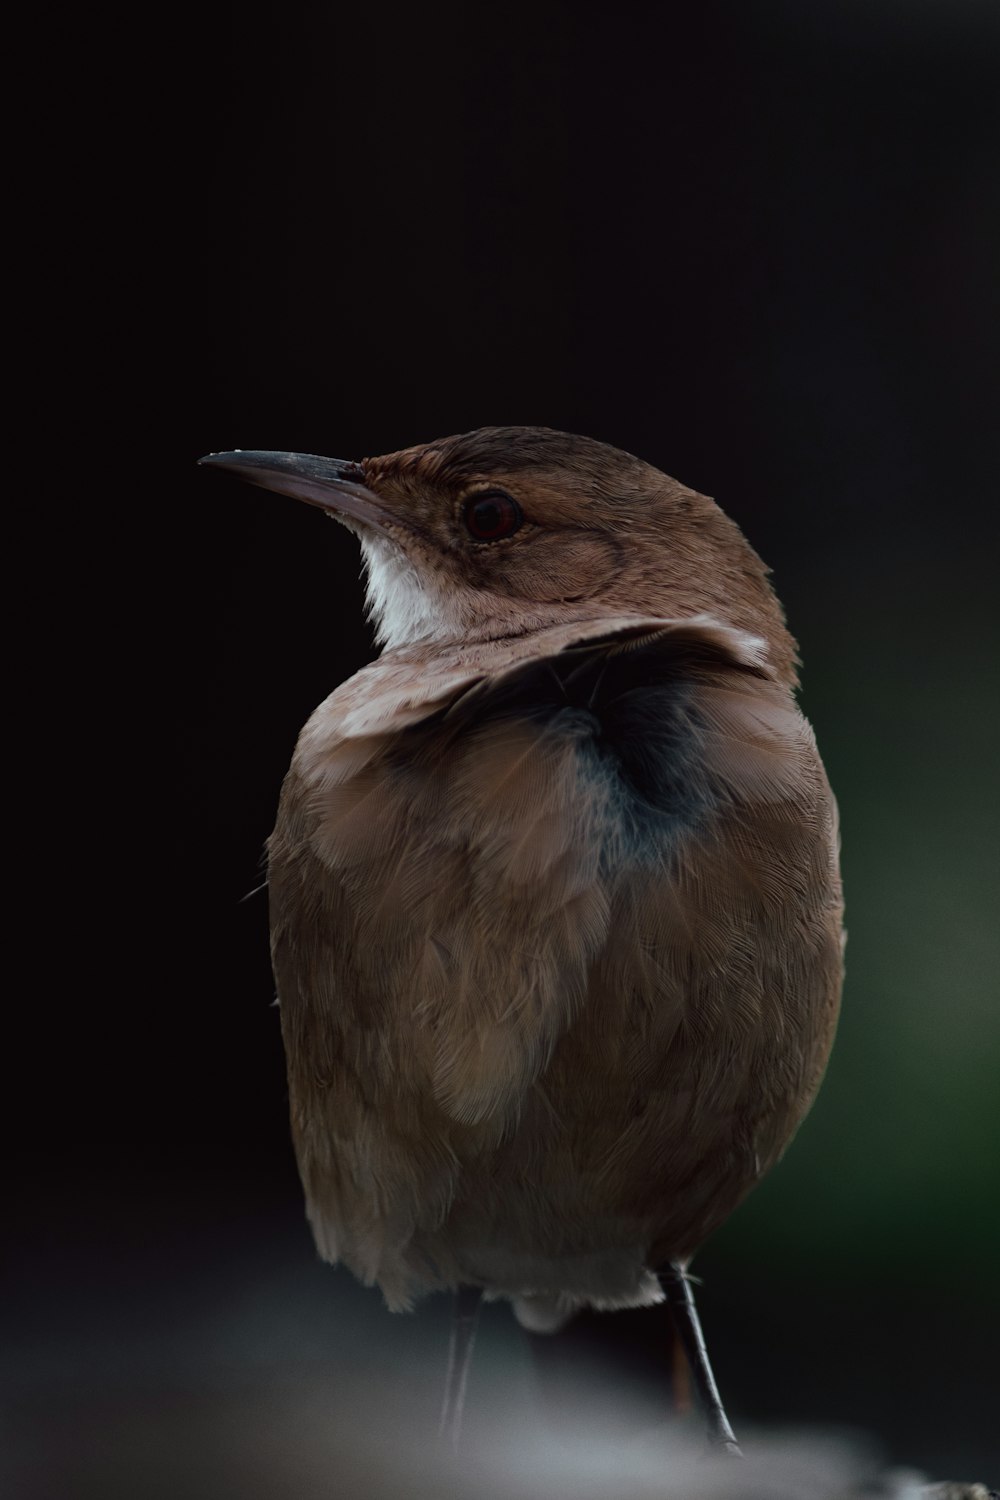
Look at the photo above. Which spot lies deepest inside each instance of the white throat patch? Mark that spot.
(404, 610)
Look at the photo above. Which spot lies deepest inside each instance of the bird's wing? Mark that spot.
(448, 868)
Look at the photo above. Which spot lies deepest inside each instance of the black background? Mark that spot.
(755, 244)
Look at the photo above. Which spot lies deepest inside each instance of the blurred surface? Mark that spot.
(210, 1354)
(755, 244)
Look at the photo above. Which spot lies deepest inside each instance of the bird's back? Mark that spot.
(557, 935)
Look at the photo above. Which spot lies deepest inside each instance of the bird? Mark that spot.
(555, 904)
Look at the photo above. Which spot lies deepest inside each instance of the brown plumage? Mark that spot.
(556, 914)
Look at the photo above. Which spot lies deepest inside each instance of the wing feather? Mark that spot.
(533, 896)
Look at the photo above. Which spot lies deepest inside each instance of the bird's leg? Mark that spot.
(681, 1376)
(463, 1333)
(680, 1299)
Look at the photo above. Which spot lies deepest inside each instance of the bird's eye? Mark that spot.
(491, 515)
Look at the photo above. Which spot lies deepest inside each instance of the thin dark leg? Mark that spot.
(463, 1334)
(681, 1300)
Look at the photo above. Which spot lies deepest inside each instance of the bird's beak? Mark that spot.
(332, 484)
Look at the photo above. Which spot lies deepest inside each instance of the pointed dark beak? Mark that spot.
(332, 484)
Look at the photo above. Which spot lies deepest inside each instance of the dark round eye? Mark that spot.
(491, 515)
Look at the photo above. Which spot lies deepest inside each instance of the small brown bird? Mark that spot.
(555, 904)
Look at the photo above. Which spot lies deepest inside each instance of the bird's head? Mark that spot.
(507, 530)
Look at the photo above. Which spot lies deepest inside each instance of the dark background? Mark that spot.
(755, 244)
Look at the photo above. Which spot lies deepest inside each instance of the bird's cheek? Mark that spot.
(554, 566)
